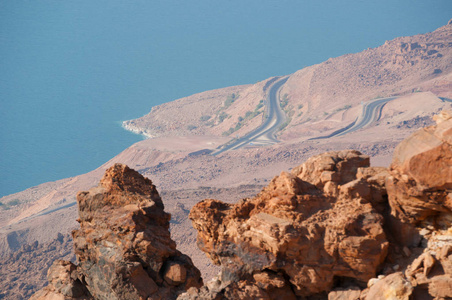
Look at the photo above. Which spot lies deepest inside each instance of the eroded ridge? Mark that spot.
(124, 246)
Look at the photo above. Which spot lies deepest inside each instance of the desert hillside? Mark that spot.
(315, 98)
(318, 100)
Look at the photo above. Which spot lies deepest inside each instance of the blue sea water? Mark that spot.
(71, 71)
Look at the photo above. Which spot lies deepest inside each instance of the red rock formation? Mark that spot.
(394, 286)
(64, 283)
(305, 230)
(123, 245)
(321, 228)
(420, 181)
(419, 190)
(421, 175)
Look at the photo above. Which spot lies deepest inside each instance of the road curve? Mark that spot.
(275, 118)
(371, 113)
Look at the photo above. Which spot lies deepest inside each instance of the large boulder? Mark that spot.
(304, 231)
(394, 287)
(420, 181)
(123, 246)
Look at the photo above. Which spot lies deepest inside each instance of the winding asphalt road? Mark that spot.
(267, 130)
(265, 134)
(371, 113)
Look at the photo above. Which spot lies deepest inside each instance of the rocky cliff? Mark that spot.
(332, 228)
(306, 230)
(123, 246)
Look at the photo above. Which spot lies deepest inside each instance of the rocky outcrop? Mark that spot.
(431, 272)
(393, 286)
(331, 225)
(421, 175)
(123, 245)
(420, 196)
(64, 283)
(305, 231)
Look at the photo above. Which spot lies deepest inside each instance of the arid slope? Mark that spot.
(317, 98)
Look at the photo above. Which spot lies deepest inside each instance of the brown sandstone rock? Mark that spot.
(345, 294)
(431, 272)
(421, 175)
(393, 286)
(123, 245)
(441, 286)
(63, 283)
(312, 226)
(175, 274)
(265, 285)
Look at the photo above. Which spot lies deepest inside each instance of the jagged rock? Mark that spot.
(265, 285)
(345, 294)
(431, 272)
(393, 286)
(124, 245)
(63, 283)
(421, 175)
(420, 181)
(441, 286)
(311, 226)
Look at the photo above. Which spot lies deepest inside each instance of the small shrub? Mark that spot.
(191, 127)
(284, 125)
(345, 107)
(222, 116)
(230, 99)
(284, 100)
(228, 132)
(204, 118)
(259, 106)
(14, 202)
